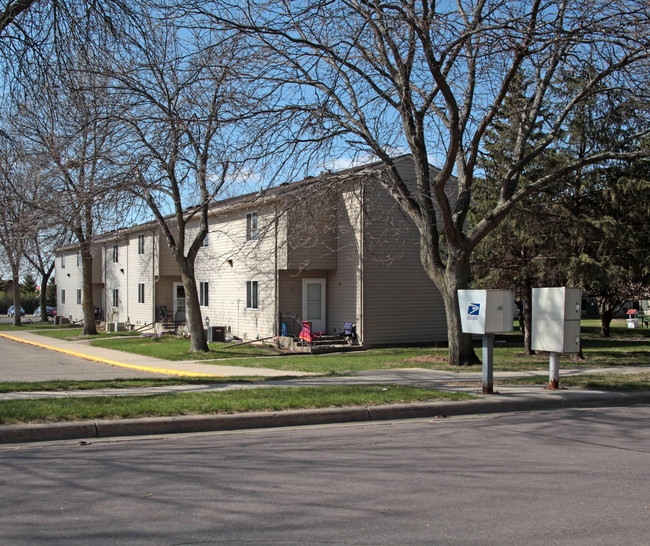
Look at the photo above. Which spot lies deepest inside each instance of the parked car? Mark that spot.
(10, 312)
(49, 311)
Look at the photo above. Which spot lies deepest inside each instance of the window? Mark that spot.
(62, 296)
(206, 241)
(252, 229)
(204, 293)
(62, 261)
(116, 297)
(141, 244)
(78, 296)
(251, 294)
(141, 292)
(115, 254)
(78, 258)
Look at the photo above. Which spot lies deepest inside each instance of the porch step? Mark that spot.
(340, 348)
(332, 343)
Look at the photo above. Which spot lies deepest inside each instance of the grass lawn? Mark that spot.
(625, 347)
(140, 383)
(70, 332)
(259, 399)
(73, 333)
(178, 348)
(32, 326)
(594, 382)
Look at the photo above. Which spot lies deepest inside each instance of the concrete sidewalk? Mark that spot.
(505, 399)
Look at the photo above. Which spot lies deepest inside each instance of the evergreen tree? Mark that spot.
(51, 293)
(29, 285)
(519, 253)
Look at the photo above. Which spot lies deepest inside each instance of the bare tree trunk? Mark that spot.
(199, 342)
(455, 277)
(16, 296)
(88, 308)
(45, 279)
(527, 301)
(42, 298)
(606, 316)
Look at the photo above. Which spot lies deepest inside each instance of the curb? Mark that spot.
(258, 420)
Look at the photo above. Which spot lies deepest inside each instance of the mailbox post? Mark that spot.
(486, 312)
(556, 314)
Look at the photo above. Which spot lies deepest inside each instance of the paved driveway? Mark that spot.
(22, 362)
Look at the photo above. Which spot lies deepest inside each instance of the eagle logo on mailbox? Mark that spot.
(473, 311)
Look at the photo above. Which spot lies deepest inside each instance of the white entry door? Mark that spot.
(314, 303)
(179, 302)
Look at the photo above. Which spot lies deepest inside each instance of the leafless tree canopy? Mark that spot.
(432, 78)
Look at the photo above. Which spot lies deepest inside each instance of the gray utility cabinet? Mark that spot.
(556, 314)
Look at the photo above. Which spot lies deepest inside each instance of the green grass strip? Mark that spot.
(597, 382)
(177, 348)
(257, 399)
(68, 385)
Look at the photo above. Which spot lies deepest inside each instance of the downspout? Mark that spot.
(105, 285)
(275, 278)
(362, 222)
(154, 248)
(128, 314)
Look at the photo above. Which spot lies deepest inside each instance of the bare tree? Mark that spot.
(15, 220)
(432, 78)
(40, 251)
(67, 118)
(185, 110)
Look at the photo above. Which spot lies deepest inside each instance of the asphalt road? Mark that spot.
(22, 362)
(562, 477)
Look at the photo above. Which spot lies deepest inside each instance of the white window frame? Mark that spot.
(78, 296)
(252, 226)
(140, 292)
(116, 254)
(115, 298)
(62, 261)
(252, 295)
(204, 294)
(63, 296)
(78, 258)
(141, 244)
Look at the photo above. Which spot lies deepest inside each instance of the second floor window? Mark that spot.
(62, 261)
(78, 296)
(206, 241)
(252, 229)
(115, 254)
(141, 292)
(78, 258)
(62, 296)
(141, 244)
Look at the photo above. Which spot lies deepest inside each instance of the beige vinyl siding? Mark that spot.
(252, 260)
(311, 234)
(290, 291)
(140, 269)
(166, 263)
(164, 289)
(400, 303)
(68, 278)
(343, 286)
(116, 277)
